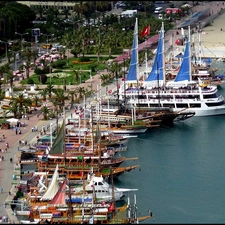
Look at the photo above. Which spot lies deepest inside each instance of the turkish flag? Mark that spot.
(145, 31)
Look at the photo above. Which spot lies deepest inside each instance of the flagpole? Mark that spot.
(146, 60)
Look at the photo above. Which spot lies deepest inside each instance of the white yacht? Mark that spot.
(101, 189)
(180, 94)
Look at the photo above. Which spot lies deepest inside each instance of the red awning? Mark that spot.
(146, 44)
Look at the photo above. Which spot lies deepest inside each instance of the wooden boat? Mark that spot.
(55, 207)
(74, 164)
(57, 210)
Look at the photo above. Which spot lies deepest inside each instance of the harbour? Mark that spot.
(176, 169)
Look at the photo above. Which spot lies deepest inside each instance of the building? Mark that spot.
(60, 5)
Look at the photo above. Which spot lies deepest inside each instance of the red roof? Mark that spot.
(146, 44)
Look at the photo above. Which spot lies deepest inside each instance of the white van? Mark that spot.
(158, 10)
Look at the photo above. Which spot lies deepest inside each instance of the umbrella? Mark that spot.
(12, 120)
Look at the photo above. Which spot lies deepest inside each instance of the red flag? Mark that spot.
(145, 31)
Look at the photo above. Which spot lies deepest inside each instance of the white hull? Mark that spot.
(138, 131)
(29, 222)
(206, 102)
(215, 111)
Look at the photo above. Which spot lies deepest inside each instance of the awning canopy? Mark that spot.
(146, 44)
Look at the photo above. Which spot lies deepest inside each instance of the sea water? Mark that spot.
(181, 177)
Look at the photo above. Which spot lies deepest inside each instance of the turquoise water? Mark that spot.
(182, 171)
(181, 178)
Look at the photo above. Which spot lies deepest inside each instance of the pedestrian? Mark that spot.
(16, 131)
(2, 158)
(11, 160)
(7, 145)
(1, 190)
(3, 136)
(9, 192)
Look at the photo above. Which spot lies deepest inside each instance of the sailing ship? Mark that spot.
(180, 95)
(64, 204)
(76, 164)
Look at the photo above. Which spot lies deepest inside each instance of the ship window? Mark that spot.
(210, 96)
(180, 105)
(214, 104)
(196, 105)
(168, 105)
(100, 183)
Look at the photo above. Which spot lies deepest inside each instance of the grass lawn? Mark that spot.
(67, 74)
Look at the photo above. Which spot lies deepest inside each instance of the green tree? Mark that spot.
(23, 104)
(45, 112)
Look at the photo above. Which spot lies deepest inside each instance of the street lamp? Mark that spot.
(15, 54)
(6, 48)
(51, 135)
(47, 35)
(91, 81)
(21, 36)
(124, 78)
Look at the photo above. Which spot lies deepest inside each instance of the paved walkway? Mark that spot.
(7, 168)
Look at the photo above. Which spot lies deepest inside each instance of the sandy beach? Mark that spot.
(212, 38)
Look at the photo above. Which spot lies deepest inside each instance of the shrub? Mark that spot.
(38, 71)
(30, 81)
(42, 78)
(46, 70)
(93, 67)
(59, 64)
(84, 59)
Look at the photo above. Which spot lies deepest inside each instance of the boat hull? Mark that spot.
(215, 111)
(138, 131)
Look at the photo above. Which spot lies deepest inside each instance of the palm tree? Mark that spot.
(111, 40)
(45, 112)
(49, 90)
(27, 53)
(60, 97)
(9, 78)
(44, 93)
(115, 67)
(105, 78)
(36, 101)
(80, 91)
(80, 8)
(67, 42)
(2, 94)
(26, 66)
(13, 108)
(23, 104)
(72, 95)
(76, 75)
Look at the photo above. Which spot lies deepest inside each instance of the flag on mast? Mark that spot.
(145, 31)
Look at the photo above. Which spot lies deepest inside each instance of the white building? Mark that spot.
(129, 13)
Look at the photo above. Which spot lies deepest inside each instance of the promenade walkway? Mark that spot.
(7, 168)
